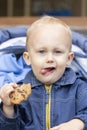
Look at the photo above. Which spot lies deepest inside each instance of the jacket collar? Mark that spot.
(68, 78)
(30, 78)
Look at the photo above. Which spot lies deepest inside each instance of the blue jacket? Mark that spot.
(68, 101)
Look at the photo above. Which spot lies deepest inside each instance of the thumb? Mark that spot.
(55, 128)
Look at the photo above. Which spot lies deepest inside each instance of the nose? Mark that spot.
(49, 58)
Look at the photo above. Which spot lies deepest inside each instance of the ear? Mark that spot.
(26, 58)
(70, 58)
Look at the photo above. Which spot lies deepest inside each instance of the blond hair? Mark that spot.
(46, 20)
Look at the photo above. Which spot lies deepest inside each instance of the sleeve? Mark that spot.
(9, 123)
(22, 119)
(81, 102)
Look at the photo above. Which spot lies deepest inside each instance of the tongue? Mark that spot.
(44, 71)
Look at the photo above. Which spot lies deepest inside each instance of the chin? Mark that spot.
(49, 82)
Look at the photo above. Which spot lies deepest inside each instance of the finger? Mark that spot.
(13, 85)
(6, 89)
(55, 128)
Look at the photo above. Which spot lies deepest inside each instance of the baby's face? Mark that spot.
(49, 53)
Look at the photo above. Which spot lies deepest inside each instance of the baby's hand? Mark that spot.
(8, 108)
(75, 124)
(5, 91)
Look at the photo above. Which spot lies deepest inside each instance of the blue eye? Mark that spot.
(57, 52)
(41, 51)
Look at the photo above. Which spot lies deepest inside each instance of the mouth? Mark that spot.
(47, 70)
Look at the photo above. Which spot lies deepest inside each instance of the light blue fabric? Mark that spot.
(12, 32)
(11, 69)
(79, 63)
(80, 40)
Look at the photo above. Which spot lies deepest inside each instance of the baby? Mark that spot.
(59, 98)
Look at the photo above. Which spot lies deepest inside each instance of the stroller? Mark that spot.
(12, 65)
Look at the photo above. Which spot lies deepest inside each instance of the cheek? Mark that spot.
(36, 60)
(35, 64)
(36, 68)
(62, 62)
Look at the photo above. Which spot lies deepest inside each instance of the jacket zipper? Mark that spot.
(48, 103)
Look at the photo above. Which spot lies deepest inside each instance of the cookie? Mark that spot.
(20, 93)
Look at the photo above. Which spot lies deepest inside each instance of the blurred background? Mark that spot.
(42, 7)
